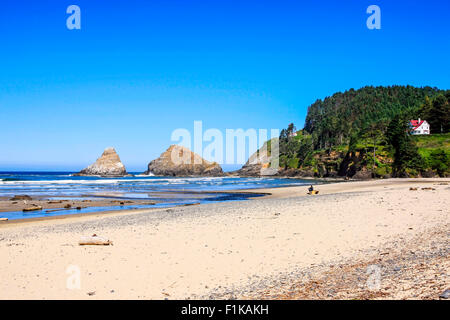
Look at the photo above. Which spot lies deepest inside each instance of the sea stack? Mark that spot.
(180, 161)
(108, 165)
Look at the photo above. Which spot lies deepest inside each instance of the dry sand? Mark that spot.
(285, 245)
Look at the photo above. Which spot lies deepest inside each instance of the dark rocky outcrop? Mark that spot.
(108, 165)
(327, 165)
(180, 161)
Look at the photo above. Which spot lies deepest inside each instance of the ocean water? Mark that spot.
(165, 191)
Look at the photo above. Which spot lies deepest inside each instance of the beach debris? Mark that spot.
(121, 202)
(91, 293)
(54, 201)
(3, 219)
(94, 240)
(428, 188)
(412, 189)
(21, 197)
(62, 209)
(190, 204)
(68, 206)
(445, 294)
(56, 210)
(34, 208)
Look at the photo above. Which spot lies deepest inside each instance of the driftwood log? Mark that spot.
(35, 208)
(94, 240)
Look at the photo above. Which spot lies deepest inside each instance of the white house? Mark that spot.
(419, 126)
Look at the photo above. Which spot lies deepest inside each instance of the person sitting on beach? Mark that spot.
(311, 189)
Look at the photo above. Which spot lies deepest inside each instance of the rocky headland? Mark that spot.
(258, 164)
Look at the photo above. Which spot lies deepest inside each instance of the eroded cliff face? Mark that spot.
(180, 161)
(325, 165)
(258, 165)
(108, 165)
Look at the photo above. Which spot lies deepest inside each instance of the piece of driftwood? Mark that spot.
(94, 240)
(190, 204)
(3, 219)
(21, 197)
(56, 210)
(413, 189)
(35, 208)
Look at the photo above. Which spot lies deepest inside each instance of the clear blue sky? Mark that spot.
(137, 70)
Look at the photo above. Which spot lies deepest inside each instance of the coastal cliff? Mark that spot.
(180, 161)
(258, 164)
(366, 133)
(108, 165)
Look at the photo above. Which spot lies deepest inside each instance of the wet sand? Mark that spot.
(7, 205)
(285, 245)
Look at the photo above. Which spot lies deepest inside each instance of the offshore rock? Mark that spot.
(179, 161)
(108, 165)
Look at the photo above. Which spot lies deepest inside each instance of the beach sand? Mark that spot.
(286, 245)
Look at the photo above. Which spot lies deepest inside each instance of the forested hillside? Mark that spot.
(365, 133)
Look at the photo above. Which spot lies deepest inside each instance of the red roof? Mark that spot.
(416, 123)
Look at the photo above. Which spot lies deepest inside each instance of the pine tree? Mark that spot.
(405, 150)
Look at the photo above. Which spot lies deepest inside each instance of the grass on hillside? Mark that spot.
(433, 141)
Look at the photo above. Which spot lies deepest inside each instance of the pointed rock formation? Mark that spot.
(108, 165)
(180, 161)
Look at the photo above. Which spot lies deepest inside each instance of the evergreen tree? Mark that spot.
(440, 161)
(440, 115)
(425, 109)
(405, 151)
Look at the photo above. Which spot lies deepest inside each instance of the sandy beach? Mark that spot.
(286, 245)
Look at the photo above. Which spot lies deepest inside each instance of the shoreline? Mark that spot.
(280, 246)
(259, 193)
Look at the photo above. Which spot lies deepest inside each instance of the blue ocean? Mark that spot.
(165, 191)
